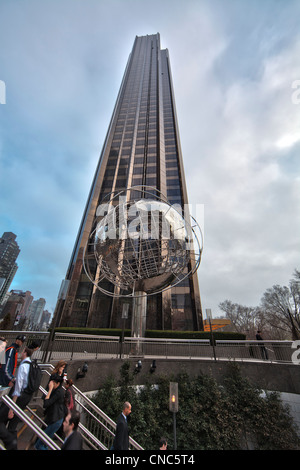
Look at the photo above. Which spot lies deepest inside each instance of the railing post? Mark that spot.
(72, 350)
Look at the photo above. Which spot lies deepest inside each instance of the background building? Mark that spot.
(35, 314)
(142, 147)
(12, 308)
(23, 298)
(45, 320)
(9, 251)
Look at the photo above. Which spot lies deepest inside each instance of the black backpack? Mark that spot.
(34, 377)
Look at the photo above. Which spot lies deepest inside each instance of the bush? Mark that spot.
(231, 416)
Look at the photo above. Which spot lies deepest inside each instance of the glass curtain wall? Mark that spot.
(141, 148)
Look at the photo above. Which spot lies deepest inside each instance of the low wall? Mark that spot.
(264, 375)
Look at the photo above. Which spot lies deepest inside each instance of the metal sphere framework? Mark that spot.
(141, 243)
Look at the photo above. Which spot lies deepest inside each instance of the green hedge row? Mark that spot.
(221, 335)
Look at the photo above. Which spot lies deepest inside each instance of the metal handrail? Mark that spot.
(105, 346)
(83, 428)
(104, 416)
(39, 419)
(89, 405)
(96, 444)
(70, 345)
(22, 415)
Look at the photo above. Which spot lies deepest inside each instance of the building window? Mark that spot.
(181, 301)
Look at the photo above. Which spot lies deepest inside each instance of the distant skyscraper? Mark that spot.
(28, 301)
(45, 320)
(35, 313)
(9, 251)
(142, 147)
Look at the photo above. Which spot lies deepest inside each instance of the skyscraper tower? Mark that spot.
(9, 251)
(142, 147)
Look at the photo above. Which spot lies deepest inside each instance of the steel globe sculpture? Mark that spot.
(142, 245)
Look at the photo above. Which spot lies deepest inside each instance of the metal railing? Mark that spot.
(77, 346)
(86, 434)
(271, 351)
(80, 346)
(39, 336)
(73, 346)
(32, 425)
(100, 425)
(97, 428)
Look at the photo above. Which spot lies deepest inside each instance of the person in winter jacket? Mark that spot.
(7, 370)
(55, 410)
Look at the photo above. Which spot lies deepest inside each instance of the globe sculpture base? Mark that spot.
(138, 324)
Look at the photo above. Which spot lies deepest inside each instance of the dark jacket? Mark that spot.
(121, 441)
(55, 406)
(73, 442)
(7, 370)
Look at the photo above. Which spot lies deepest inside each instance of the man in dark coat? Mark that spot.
(263, 350)
(121, 441)
(73, 438)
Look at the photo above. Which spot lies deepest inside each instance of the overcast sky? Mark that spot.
(234, 63)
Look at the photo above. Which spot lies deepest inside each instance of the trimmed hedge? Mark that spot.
(221, 335)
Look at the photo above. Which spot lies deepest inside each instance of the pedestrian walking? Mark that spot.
(55, 410)
(21, 396)
(3, 344)
(121, 441)
(263, 350)
(7, 370)
(73, 438)
(69, 396)
(163, 443)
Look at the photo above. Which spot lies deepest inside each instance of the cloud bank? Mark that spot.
(233, 65)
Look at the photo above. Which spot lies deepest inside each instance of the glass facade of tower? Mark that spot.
(142, 147)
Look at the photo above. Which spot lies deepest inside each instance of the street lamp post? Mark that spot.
(173, 407)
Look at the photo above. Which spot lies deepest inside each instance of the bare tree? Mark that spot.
(282, 306)
(297, 274)
(243, 319)
(278, 315)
